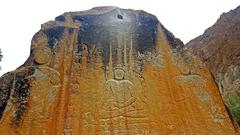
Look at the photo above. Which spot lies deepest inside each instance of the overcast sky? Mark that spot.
(21, 19)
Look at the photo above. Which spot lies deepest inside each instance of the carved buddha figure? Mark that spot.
(120, 91)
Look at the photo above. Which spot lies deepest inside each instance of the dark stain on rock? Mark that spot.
(53, 34)
(70, 30)
(116, 28)
(6, 83)
(60, 18)
(146, 31)
(20, 95)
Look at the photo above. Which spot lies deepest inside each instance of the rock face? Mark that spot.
(219, 48)
(110, 71)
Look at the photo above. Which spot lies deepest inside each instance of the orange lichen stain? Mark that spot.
(90, 99)
(189, 104)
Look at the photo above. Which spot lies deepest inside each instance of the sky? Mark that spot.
(21, 19)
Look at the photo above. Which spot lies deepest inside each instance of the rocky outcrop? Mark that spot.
(110, 71)
(219, 49)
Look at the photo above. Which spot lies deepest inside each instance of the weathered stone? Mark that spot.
(219, 49)
(111, 71)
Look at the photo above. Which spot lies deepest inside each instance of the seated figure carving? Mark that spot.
(120, 91)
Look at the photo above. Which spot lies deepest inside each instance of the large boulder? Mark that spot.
(110, 71)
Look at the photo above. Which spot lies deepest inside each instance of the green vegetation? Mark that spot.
(234, 106)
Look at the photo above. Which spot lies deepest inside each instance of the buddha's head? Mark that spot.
(119, 73)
